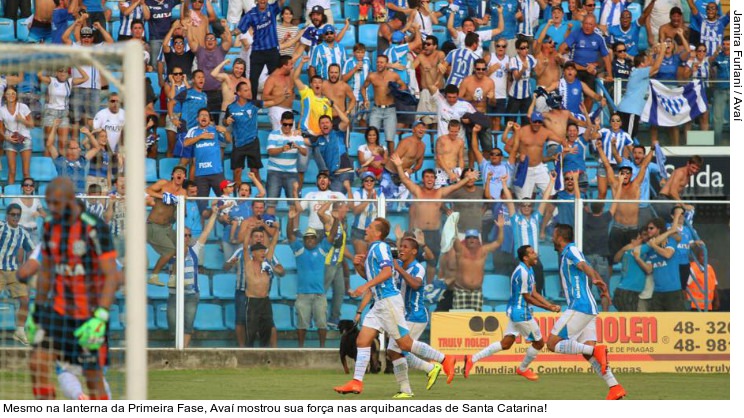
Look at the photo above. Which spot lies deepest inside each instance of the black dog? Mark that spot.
(348, 347)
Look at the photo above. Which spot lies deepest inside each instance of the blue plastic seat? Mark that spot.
(7, 30)
(176, 12)
(224, 286)
(286, 257)
(368, 35)
(312, 173)
(614, 282)
(115, 323)
(166, 164)
(642, 39)
(496, 287)
(274, 289)
(7, 316)
(10, 190)
(161, 315)
(226, 166)
(288, 286)
(553, 289)
(37, 140)
(230, 316)
(440, 32)
(114, 7)
(209, 317)
(355, 281)
(21, 30)
(548, 257)
(213, 257)
(351, 11)
(356, 140)
(153, 76)
(152, 257)
(500, 308)
(115, 26)
(397, 219)
(204, 289)
(151, 325)
(151, 170)
(282, 317)
(42, 169)
(349, 38)
(158, 292)
(487, 308)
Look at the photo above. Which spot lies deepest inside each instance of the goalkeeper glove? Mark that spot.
(92, 333)
(32, 328)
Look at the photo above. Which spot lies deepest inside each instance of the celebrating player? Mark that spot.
(521, 322)
(575, 332)
(75, 290)
(387, 314)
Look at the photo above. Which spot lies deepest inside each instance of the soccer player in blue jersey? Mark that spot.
(388, 313)
(521, 322)
(575, 331)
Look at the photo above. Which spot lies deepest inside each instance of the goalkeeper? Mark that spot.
(75, 288)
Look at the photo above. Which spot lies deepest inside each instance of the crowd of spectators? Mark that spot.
(455, 71)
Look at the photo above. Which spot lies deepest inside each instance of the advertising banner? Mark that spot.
(638, 342)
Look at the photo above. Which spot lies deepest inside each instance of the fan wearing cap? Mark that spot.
(531, 140)
(313, 200)
(317, 17)
(326, 53)
(525, 224)
(625, 226)
(472, 254)
(311, 303)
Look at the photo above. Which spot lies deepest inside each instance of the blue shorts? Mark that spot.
(181, 151)
(38, 33)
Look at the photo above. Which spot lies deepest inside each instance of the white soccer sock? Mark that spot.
(532, 352)
(70, 385)
(362, 360)
(107, 387)
(573, 347)
(416, 363)
(608, 377)
(491, 349)
(400, 369)
(425, 351)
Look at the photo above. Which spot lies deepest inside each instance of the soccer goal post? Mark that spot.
(77, 111)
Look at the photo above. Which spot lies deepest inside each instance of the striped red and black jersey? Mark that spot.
(76, 251)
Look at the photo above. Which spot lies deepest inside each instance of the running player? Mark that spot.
(521, 322)
(387, 314)
(575, 332)
(75, 290)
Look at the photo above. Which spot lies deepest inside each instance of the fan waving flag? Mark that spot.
(667, 106)
(661, 161)
(558, 186)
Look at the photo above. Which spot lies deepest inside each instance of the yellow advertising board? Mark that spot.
(638, 342)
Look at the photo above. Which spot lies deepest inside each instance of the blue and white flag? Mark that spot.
(667, 106)
(661, 161)
(559, 184)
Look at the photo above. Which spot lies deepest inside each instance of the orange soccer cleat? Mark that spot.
(468, 365)
(616, 392)
(448, 365)
(600, 353)
(352, 386)
(528, 374)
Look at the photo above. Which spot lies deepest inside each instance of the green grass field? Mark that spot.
(264, 383)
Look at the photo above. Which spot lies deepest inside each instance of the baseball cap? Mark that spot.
(398, 36)
(317, 9)
(472, 233)
(625, 164)
(536, 117)
(86, 31)
(257, 247)
(226, 183)
(417, 123)
(310, 232)
(547, 38)
(327, 28)
(323, 173)
(367, 174)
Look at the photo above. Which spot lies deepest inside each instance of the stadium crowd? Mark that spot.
(458, 100)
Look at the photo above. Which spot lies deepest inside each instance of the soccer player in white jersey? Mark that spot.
(386, 315)
(575, 331)
(521, 322)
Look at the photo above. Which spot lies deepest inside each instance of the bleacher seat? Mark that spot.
(161, 315)
(226, 166)
(42, 169)
(21, 30)
(151, 170)
(176, 12)
(553, 289)
(614, 282)
(230, 316)
(336, 12)
(355, 281)
(209, 317)
(487, 308)
(165, 166)
(286, 257)
(349, 310)
(151, 325)
(152, 257)
(114, 7)
(548, 257)
(153, 76)
(356, 140)
(7, 316)
(224, 286)
(10, 190)
(115, 26)
(115, 323)
(37, 140)
(213, 258)
(500, 308)
(205, 291)
(440, 32)
(349, 39)
(158, 292)
(642, 39)
(288, 286)
(283, 317)
(496, 287)
(7, 30)
(351, 10)
(368, 35)
(274, 289)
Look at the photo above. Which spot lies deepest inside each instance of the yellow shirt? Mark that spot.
(313, 107)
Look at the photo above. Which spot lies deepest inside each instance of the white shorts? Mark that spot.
(536, 176)
(443, 179)
(426, 106)
(530, 330)
(388, 315)
(415, 329)
(275, 115)
(577, 326)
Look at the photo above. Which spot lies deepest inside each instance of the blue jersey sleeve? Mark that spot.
(296, 245)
